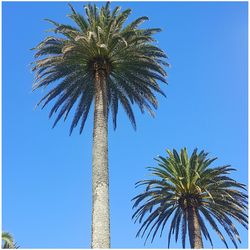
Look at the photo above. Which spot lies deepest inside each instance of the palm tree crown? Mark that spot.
(193, 193)
(131, 63)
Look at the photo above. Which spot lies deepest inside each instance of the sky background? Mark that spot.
(47, 174)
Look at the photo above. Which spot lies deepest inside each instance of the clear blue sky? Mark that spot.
(47, 173)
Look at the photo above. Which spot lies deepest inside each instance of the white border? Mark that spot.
(117, 1)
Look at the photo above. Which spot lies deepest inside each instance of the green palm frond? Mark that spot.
(181, 182)
(133, 64)
(8, 241)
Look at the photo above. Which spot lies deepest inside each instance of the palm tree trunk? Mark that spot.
(100, 179)
(194, 229)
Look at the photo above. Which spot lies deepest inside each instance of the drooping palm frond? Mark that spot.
(8, 241)
(133, 64)
(182, 182)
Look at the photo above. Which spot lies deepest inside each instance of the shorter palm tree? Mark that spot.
(190, 192)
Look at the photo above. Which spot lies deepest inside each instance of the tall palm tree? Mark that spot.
(193, 193)
(103, 61)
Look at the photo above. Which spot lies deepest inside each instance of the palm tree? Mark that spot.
(8, 241)
(103, 61)
(193, 193)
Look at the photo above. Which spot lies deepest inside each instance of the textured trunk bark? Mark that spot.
(100, 178)
(194, 229)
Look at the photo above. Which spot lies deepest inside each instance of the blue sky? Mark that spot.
(47, 174)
